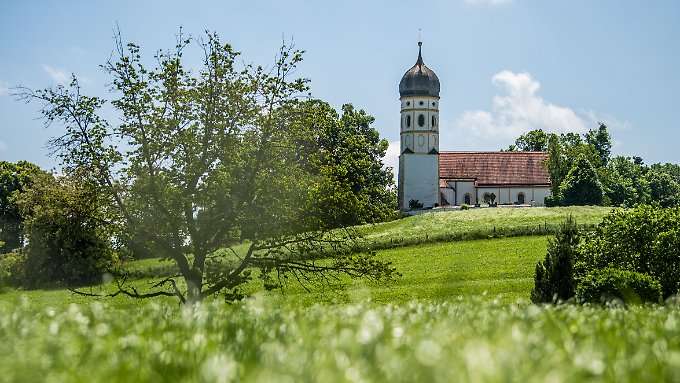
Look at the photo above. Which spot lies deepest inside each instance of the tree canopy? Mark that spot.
(219, 156)
(581, 185)
(14, 179)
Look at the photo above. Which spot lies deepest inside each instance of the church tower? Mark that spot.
(419, 158)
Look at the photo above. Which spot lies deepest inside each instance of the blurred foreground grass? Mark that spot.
(462, 340)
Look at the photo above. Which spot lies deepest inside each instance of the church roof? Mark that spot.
(495, 168)
(419, 80)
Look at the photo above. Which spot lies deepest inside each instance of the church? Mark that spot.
(429, 178)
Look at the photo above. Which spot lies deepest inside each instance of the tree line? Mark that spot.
(583, 171)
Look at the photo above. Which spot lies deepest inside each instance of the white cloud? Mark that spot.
(488, 2)
(58, 76)
(4, 89)
(391, 158)
(517, 110)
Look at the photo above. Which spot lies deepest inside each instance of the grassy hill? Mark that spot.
(431, 269)
(477, 223)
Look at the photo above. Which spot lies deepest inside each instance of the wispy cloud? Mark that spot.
(4, 88)
(58, 76)
(488, 2)
(517, 109)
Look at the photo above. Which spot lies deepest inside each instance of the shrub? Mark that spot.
(415, 204)
(554, 277)
(552, 200)
(11, 269)
(605, 285)
(465, 207)
(645, 240)
(68, 233)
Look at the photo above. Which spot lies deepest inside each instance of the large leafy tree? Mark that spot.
(346, 153)
(14, 179)
(601, 140)
(205, 159)
(581, 186)
(625, 182)
(663, 188)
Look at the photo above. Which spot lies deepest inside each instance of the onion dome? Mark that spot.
(419, 80)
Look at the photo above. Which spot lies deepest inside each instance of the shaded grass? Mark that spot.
(442, 271)
(432, 272)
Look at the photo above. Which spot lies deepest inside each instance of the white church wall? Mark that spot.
(539, 195)
(506, 195)
(496, 191)
(466, 187)
(449, 195)
(422, 182)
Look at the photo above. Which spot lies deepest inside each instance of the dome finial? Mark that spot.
(420, 45)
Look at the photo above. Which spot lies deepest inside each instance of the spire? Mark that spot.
(420, 45)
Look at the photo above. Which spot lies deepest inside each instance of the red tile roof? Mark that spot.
(495, 168)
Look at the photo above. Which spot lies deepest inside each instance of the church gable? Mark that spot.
(495, 168)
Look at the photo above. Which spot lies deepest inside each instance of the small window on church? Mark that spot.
(434, 103)
(408, 121)
(421, 120)
(408, 103)
(434, 121)
(422, 103)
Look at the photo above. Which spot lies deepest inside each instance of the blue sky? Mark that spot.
(506, 66)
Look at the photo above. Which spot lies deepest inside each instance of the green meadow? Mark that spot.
(459, 311)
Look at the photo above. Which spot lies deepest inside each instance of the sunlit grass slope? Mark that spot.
(458, 223)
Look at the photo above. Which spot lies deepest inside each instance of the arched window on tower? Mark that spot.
(434, 121)
(421, 120)
(408, 121)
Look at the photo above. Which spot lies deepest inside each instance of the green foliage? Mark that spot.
(345, 153)
(645, 240)
(625, 182)
(554, 276)
(664, 190)
(260, 340)
(11, 269)
(68, 232)
(532, 141)
(601, 141)
(581, 186)
(553, 201)
(414, 204)
(14, 179)
(464, 207)
(608, 284)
